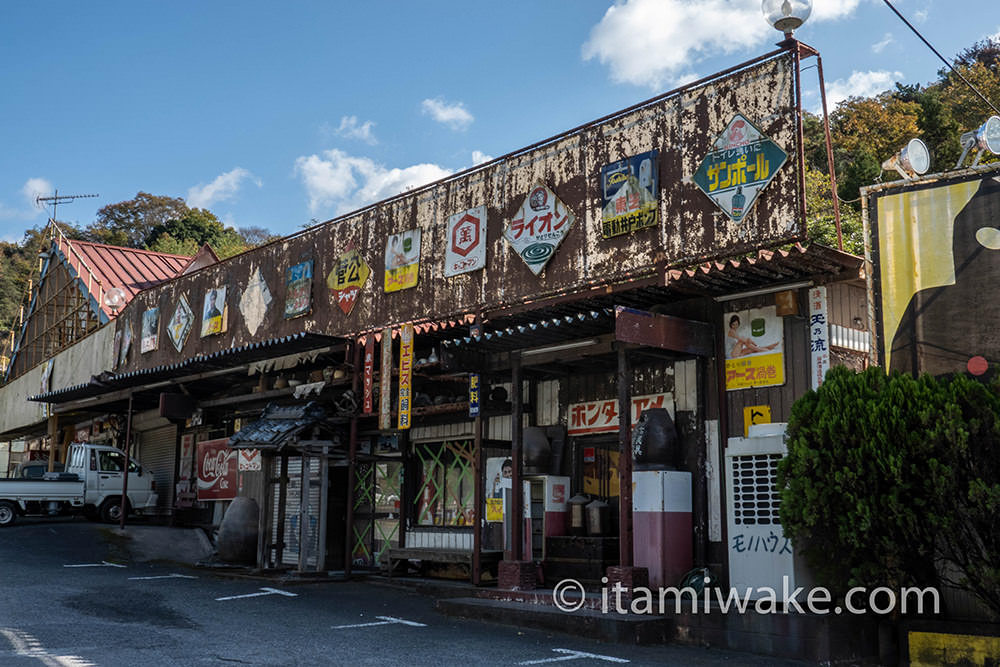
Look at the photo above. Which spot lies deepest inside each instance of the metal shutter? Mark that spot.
(157, 454)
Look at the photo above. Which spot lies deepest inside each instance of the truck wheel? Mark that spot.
(8, 512)
(111, 510)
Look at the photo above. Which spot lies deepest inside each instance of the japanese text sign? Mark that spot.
(593, 417)
(465, 249)
(754, 348)
(405, 375)
(819, 336)
(741, 166)
(538, 227)
(402, 260)
(348, 276)
(629, 190)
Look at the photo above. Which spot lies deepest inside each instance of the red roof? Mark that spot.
(101, 267)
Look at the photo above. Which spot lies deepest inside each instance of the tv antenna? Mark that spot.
(57, 199)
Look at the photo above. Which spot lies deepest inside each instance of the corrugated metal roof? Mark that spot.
(101, 267)
(583, 315)
(300, 342)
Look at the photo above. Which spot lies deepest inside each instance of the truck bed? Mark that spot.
(42, 490)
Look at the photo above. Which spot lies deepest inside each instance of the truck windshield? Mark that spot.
(114, 462)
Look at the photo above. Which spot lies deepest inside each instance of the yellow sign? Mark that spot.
(763, 370)
(755, 414)
(348, 276)
(494, 509)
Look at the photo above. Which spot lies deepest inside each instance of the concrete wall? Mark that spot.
(74, 365)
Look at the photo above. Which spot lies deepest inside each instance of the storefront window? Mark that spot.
(447, 490)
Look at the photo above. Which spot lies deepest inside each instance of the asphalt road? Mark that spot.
(73, 595)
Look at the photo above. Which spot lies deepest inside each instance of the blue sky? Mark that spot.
(274, 114)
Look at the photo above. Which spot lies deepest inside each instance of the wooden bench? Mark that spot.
(403, 555)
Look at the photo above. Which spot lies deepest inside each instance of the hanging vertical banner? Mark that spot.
(629, 190)
(369, 374)
(385, 382)
(466, 247)
(819, 336)
(402, 260)
(474, 395)
(405, 374)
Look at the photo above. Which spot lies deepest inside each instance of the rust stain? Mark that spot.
(681, 126)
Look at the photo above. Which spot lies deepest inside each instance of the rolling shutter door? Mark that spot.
(157, 454)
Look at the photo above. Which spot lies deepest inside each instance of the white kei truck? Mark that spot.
(91, 483)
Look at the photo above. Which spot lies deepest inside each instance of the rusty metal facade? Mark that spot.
(681, 125)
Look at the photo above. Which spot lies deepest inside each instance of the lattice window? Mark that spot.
(755, 489)
(447, 486)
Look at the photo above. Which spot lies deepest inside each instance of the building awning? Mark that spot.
(251, 352)
(584, 315)
(302, 428)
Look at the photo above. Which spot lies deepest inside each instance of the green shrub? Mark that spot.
(895, 481)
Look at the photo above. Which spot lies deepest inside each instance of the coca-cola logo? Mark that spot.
(215, 468)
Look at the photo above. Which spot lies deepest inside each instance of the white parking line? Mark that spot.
(27, 646)
(103, 563)
(163, 576)
(573, 655)
(383, 620)
(265, 591)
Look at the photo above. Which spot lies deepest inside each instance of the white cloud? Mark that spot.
(656, 43)
(649, 42)
(223, 188)
(454, 116)
(860, 84)
(351, 129)
(920, 15)
(479, 157)
(879, 46)
(29, 208)
(34, 188)
(831, 10)
(338, 182)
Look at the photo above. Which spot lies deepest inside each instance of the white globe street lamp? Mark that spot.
(786, 15)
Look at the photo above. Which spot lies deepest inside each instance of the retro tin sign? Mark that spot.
(466, 243)
(743, 163)
(538, 227)
(349, 275)
(629, 190)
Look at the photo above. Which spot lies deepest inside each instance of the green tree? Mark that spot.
(820, 220)
(193, 229)
(130, 223)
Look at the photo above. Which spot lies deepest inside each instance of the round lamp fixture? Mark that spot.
(911, 161)
(988, 135)
(786, 15)
(114, 299)
(915, 157)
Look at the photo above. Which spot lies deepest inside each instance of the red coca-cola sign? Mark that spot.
(217, 474)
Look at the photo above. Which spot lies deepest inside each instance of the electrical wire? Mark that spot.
(957, 73)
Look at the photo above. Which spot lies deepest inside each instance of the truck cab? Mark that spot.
(100, 467)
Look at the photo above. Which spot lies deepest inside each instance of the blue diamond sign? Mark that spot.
(741, 165)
